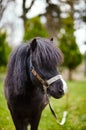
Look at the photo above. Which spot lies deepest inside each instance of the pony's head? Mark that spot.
(44, 58)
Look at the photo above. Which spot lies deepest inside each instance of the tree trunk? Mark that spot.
(70, 75)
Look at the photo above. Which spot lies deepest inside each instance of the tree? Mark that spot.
(53, 18)
(72, 55)
(4, 49)
(54, 12)
(34, 28)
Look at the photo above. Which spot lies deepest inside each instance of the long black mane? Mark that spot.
(45, 55)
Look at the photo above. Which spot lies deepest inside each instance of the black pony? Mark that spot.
(29, 79)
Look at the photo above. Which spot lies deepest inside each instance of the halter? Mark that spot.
(46, 84)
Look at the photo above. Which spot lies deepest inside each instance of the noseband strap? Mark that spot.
(53, 79)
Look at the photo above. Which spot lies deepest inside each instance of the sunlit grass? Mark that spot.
(76, 102)
(76, 119)
(5, 118)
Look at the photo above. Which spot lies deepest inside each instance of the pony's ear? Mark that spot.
(33, 44)
(51, 39)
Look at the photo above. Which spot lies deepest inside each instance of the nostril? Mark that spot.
(60, 89)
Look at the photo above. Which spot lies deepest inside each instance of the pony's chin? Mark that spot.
(57, 96)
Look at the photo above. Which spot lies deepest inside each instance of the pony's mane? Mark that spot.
(46, 54)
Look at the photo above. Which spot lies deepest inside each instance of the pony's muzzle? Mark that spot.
(55, 78)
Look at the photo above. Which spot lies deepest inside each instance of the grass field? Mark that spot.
(76, 119)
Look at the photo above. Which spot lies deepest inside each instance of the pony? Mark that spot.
(31, 79)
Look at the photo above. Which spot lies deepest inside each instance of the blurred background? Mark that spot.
(65, 21)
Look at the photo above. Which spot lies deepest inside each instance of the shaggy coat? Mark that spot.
(24, 93)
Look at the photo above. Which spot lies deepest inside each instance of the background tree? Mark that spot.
(4, 49)
(34, 28)
(53, 18)
(54, 14)
(69, 47)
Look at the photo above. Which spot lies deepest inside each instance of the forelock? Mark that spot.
(46, 54)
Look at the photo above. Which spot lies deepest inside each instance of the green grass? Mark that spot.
(76, 119)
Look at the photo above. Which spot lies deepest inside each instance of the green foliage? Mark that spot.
(34, 28)
(4, 50)
(72, 55)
